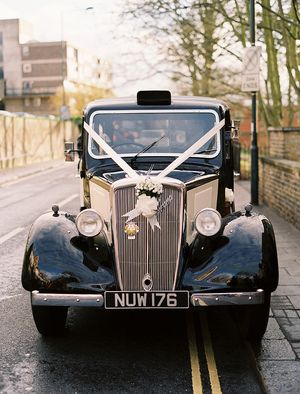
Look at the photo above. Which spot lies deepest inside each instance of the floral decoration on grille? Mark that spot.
(148, 191)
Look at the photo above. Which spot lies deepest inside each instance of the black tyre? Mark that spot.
(253, 319)
(50, 320)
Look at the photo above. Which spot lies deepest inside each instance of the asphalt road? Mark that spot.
(106, 351)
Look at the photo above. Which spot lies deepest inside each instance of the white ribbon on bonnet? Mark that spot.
(146, 205)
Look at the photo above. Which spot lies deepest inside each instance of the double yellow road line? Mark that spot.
(209, 354)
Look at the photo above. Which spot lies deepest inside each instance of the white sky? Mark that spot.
(94, 29)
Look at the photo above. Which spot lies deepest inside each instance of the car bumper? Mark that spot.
(196, 299)
(240, 298)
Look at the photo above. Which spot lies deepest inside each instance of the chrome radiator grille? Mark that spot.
(151, 252)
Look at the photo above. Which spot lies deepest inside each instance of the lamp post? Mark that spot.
(254, 147)
(64, 110)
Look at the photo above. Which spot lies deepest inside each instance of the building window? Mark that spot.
(27, 102)
(1, 37)
(1, 73)
(27, 86)
(25, 50)
(1, 55)
(27, 68)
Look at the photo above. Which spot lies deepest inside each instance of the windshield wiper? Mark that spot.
(205, 151)
(133, 160)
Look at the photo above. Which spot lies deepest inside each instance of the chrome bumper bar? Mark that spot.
(52, 299)
(243, 298)
(196, 299)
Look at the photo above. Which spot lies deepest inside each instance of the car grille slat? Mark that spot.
(153, 252)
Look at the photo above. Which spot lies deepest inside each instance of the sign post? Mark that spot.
(250, 83)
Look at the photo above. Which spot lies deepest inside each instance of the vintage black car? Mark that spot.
(157, 226)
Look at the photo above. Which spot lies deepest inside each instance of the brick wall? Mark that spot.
(292, 145)
(279, 174)
(36, 51)
(284, 143)
(44, 70)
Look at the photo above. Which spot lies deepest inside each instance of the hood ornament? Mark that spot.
(147, 282)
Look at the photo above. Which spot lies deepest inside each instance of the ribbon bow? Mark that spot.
(148, 192)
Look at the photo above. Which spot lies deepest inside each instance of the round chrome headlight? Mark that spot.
(208, 222)
(89, 223)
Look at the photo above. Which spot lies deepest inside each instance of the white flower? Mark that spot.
(146, 205)
(148, 185)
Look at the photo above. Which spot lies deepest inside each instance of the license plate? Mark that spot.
(146, 300)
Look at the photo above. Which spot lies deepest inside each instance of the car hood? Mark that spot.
(185, 176)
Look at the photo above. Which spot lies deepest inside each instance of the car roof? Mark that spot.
(177, 102)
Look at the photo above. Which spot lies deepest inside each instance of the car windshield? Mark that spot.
(170, 133)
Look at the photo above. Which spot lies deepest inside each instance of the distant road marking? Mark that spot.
(210, 357)
(66, 200)
(195, 364)
(11, 234)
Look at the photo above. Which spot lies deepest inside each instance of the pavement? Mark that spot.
(12, 174)
(285, 303)
(278, 355)
(280, 347)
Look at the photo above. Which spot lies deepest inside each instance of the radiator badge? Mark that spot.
(131, 229)
(148, 192)
(147, 282)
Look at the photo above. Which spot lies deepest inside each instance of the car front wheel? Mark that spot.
(50, 320)
(253, 319)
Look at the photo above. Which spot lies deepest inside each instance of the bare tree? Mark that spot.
(78, 98)
(202, 43)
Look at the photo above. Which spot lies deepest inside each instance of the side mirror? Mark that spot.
(69, 151)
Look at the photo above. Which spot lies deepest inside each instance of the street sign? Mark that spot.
(250, 83)
(250, 73)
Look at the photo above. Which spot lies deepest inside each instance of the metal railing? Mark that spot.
(9, 92)
(28, 140)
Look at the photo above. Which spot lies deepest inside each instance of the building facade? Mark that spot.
(32, 72)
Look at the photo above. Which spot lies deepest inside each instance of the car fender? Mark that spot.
(57, 257)
(242, 256)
